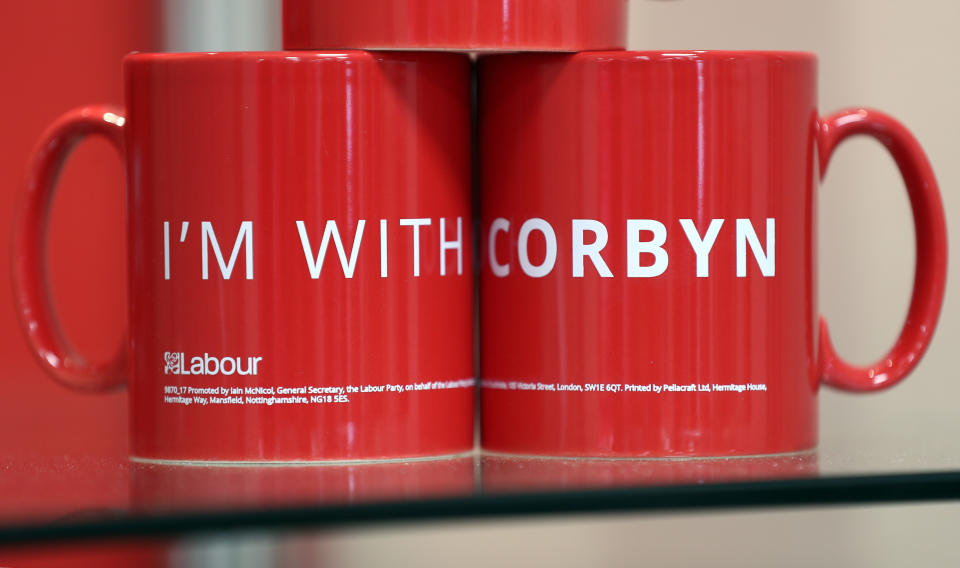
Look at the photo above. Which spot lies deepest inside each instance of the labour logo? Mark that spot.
(172, 362)
(176, 363)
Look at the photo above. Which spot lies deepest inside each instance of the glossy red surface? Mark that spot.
(680, 141)
(237, 165)
(507, 25)
(930, 276)
(29, 259)
(55, 55)
(74, 57)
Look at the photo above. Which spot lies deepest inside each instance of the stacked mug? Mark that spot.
(300, 230)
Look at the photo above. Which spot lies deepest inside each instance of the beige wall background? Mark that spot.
(897, 56)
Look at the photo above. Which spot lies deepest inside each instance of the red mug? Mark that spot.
(648, 281)
(299, 237)
(462, 25)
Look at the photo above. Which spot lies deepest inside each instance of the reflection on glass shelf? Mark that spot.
(50, 498)
(156, 488)
(176, 487)
(505, 474)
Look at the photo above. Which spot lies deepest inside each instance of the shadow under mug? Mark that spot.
(299, 237)
(648, 280)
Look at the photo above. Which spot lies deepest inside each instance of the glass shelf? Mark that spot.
(45, 498)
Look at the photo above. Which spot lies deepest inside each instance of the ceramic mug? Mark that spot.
(462, 25)
(648, 283)
(299, 237)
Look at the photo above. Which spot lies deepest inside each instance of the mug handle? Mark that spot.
(30, 279)
(931, 238)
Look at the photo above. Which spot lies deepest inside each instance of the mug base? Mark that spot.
(298, 463)
(795, 453)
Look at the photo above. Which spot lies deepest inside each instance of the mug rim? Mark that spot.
(679, 55)
(293, 56)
